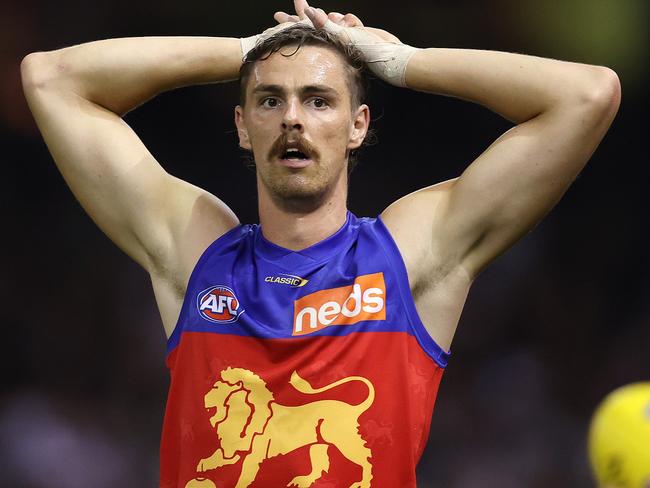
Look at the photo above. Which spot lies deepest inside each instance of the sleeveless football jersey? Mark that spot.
(299, 368)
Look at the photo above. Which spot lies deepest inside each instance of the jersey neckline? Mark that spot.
(320, 251)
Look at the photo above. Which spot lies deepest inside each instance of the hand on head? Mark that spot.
(335, 22)
(382, 52)
(317, 16)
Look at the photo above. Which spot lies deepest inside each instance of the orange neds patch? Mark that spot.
(365, 299)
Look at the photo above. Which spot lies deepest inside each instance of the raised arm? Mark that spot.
(562, 111)
(78, 95)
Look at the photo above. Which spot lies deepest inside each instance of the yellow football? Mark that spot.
(619, 438)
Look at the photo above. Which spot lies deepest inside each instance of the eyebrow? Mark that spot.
(307, 89)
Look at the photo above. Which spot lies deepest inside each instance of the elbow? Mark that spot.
(29, 70)
(34, 70)
(604, 93)
(40, 69)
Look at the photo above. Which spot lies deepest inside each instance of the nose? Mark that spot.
(292, 117)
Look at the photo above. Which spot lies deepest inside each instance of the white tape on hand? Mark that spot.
(248, 43)
(387, 60)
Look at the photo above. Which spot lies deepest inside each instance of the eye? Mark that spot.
(270, 102)
(319, 102)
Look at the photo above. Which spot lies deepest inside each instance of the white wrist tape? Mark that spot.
(387, 60)
(248, 43)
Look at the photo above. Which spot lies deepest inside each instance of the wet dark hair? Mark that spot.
(305, 35)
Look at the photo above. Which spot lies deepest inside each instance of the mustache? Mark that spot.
(303, 145)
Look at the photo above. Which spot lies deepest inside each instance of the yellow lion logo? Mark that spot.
(252, 426)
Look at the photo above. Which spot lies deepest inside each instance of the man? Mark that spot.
(308, 351)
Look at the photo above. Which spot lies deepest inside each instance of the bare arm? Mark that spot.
(78, 95)
(562, 111)
(449, 232)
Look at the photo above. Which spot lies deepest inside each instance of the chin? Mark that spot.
(302, 190)
(298, 194)
(299, 198)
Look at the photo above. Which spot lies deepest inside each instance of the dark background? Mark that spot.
(548, 330)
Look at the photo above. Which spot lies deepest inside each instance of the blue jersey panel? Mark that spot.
(353, 281)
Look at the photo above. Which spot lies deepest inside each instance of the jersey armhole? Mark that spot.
(423, 337)
(174, 338)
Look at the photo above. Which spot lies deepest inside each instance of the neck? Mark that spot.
(296, 228)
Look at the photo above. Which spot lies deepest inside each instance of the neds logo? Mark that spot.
(347, 305)
(219, 304)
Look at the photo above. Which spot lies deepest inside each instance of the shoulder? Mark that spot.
(415, 222)
(418, 207)
(202, 220)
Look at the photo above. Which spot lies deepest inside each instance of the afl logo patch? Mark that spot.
(219, 304)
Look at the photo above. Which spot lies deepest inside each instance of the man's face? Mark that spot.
(299, 124)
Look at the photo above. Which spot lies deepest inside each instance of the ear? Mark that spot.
(244, 141)
(360, 125)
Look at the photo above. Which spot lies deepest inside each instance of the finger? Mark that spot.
(318, 17)
(300, 6)
(335, 17)
(282, 17)
(352, 20)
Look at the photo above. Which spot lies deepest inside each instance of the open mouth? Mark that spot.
(292, 154)
(295, 157)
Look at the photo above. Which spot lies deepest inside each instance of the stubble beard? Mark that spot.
(298, 191)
